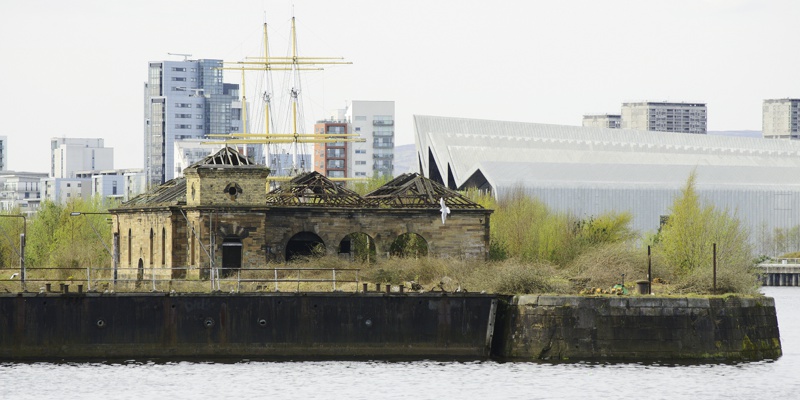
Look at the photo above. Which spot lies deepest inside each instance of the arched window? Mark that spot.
(163, 247)
(130, 250)
(152, 235)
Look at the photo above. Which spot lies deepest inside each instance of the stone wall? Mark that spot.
(465, 234)
(639, 328)
(180, 244)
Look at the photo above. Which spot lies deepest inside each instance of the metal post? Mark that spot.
(115, 248)
(715, 268)
(649, 272)
(22, 258)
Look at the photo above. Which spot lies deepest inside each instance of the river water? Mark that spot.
(779, 379)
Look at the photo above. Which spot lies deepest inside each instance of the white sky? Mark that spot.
(76, 68)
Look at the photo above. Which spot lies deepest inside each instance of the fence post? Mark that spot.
(715, 268)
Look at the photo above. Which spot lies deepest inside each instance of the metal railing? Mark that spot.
(177, 279)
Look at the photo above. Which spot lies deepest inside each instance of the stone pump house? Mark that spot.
(222, 210)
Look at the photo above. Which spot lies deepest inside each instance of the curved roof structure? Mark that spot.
(588, 170)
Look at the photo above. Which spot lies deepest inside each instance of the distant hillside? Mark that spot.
(405, 159)
(752, 134)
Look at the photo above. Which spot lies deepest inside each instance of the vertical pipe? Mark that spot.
(715, 268)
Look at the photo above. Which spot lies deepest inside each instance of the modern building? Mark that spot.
(184, 100)
(664, 117)
(374, 121)
(330, 159)
(21, 190)
(780, 119)
(114, 184)
(612, 121)
(3, 151)
(62, 190)
(69, 155)
(590, 171)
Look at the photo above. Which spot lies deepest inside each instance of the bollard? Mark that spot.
(401, 288)
(365, 288)
(643, 286)
(388, 288)
(66, 288)
(80, 288)
(47, 287)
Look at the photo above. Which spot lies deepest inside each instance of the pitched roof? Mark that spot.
(416, 191)
(226, 156)
(312, 188)
(169, 193)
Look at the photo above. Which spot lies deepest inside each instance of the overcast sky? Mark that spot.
(76, 68)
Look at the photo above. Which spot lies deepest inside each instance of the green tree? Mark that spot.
(57, 239)
(10, 229)
(686, 240)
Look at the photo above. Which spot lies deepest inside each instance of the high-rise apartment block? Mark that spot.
(372, 121)
(184, 100)
(612, 121)
(780, 119)
(3, 158)
(69, 155)
(330, 159)
(664, 117)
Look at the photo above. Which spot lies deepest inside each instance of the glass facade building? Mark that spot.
(184, 100)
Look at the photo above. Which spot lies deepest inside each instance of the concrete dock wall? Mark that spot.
(639, 328)
(69, 326)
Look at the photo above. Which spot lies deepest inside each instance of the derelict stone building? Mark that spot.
(221, 210)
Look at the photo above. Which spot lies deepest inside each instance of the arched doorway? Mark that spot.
(304, 244)
(358, 246)
(409, 245)
(231, 256)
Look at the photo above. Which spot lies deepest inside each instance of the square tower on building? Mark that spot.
(664, 117)
(780, 119)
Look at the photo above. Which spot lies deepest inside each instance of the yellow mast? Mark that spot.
(295, 63)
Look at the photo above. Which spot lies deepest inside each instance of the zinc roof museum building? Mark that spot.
(588, 171)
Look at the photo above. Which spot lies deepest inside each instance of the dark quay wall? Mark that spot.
(373, 325)
(267, 325)
(637, 328)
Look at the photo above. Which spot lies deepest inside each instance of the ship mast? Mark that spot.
(294, 64)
